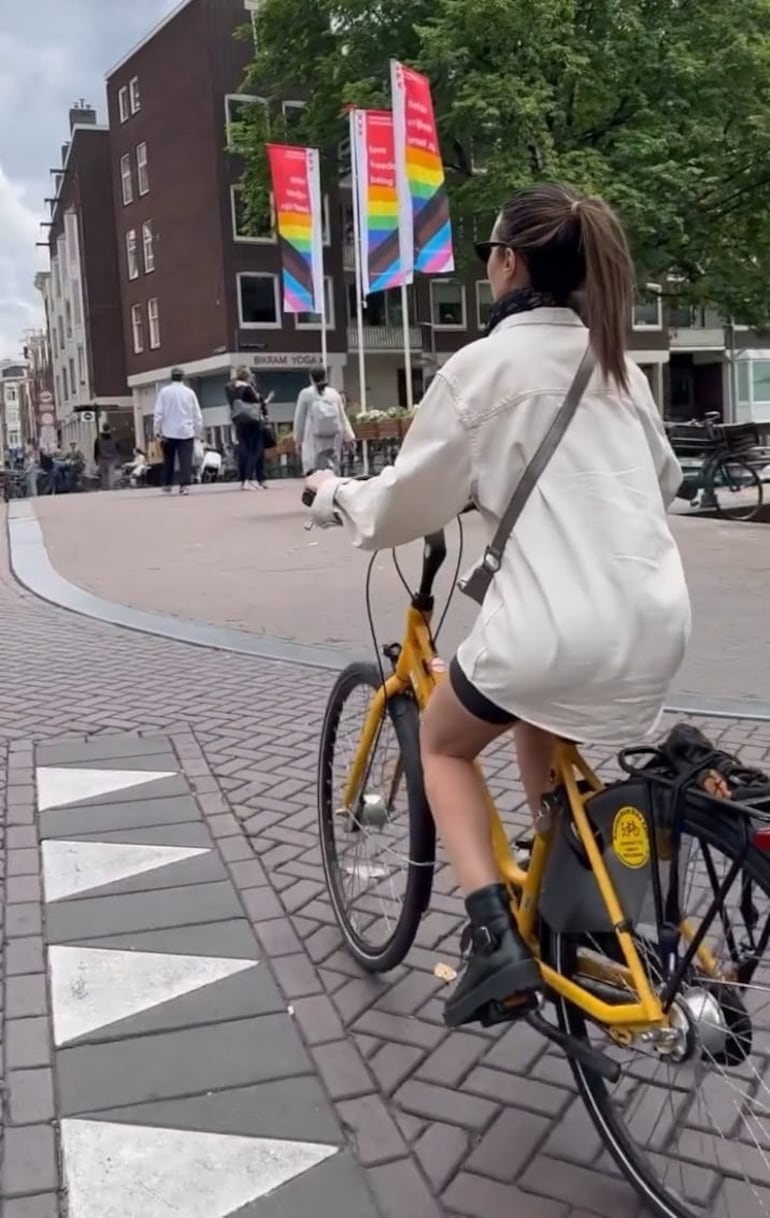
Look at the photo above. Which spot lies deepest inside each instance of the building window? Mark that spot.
(126, 180)
(68, 317)
(258, 302)
(57, 382)
(132, 258)
(56, 278)
(123, 104)
(292, 115)
(136, 99)
(153, 319)
(65, 382)
(258, 229)
(326, 225)
(760, 382)
(142, 173)
(235, 104)
(73, 381)
(55, 337)
(648, 309)
(447, 304)
(312, 321)
(81, 366)
(137, 329)
(76, 306)
(10, 395)
(381, 308)
(148, 248)
(484, 302)
(71, 231)
(60, 327)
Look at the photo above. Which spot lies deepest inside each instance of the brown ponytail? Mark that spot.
(575, 246)
(609, 285)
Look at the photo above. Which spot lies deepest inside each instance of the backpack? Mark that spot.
(325, 418)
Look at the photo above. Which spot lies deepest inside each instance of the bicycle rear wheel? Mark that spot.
(378, 852)
(689, 1127)
(737, 489)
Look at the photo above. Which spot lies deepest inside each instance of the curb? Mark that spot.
(33, 569)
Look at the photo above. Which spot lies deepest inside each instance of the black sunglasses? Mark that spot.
(484, 248)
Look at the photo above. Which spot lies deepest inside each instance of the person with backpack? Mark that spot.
(321, 426)
(248, 410)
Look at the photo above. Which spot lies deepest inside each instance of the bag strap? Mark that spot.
(493, 555)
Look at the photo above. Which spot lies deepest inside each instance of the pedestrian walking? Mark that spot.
(250, 418)
(106, 456)
(321, 425)
(178, 420)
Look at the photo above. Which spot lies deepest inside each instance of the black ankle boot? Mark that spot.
(500, 966)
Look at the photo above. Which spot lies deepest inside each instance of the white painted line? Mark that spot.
(92, 987)
(134, 1171)
(72, 868)
(58, 786)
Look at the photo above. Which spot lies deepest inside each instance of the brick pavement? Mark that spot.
(469, 1124)
(245, 561)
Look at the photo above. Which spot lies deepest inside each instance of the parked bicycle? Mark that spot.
(646, 902)
(727, 479)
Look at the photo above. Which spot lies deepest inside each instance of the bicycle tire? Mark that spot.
(404, 716)
(724, 834)
(749, 477)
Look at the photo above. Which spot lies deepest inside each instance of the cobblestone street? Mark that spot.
(416, 1122)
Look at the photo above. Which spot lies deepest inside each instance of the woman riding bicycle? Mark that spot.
(587, 620)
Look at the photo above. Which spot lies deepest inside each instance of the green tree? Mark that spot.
(663, 106)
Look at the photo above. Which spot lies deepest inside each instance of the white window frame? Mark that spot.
(135, 94)
(148, 247)
(652, 289)
(137, 329)
(316, 325)
(132, 254)
(123, 104)
(480, 283)
(271, 240)
(153, 323)
(142, 169)
(126, 179)
(248, 98)
(260, 325)
(437, 325)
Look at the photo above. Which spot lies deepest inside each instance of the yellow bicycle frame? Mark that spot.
(415, 671)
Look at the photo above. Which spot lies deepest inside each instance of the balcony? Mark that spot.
(349, 256)
(384, 338)
(696, 330)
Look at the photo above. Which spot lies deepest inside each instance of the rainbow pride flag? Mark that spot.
(296, 181)
(424, 222)
(374, 153)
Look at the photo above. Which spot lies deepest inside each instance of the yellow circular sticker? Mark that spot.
(630, 839)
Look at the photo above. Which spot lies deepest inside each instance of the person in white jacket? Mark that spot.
(178, 420)
(587, 620)
(321, 425)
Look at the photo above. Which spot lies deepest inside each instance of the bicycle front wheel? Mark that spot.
(378, 848)
(737, 489)
(689, 1121)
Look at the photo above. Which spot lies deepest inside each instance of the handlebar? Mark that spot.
(433, 557)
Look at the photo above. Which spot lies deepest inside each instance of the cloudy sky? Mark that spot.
(52, 53)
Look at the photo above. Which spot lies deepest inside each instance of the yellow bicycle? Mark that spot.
(625, 901)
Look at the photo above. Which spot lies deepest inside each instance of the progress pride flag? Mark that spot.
(296, 181)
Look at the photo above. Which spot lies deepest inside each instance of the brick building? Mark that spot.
(82, 295)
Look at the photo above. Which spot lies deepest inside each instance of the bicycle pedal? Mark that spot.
(509, 1011)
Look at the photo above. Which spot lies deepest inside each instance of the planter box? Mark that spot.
(367, 431)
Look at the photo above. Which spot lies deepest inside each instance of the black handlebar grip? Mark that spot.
(308, 498)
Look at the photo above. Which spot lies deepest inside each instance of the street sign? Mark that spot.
(87, 416)
(45, 398)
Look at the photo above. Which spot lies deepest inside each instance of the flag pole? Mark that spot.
(355, 170)
(407, 347)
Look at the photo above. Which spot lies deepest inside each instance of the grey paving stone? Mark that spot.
(44, 1205)
(70, 920)
(100, 749)
(29, 1160)
(229, 938)
(175, 1064)
(122, 814)
(24, 919)
(25, 996)
(290, 1108)
(246, 994)
(27, 1042)
(161, 759)
(30, 1096)
(203, 869)
(24, 956)
(188, 833)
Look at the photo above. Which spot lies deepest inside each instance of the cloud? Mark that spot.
(52, 54)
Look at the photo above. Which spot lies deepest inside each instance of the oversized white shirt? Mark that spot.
(178, 413)
(587, 621)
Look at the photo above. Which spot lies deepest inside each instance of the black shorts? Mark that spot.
(476, 703)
